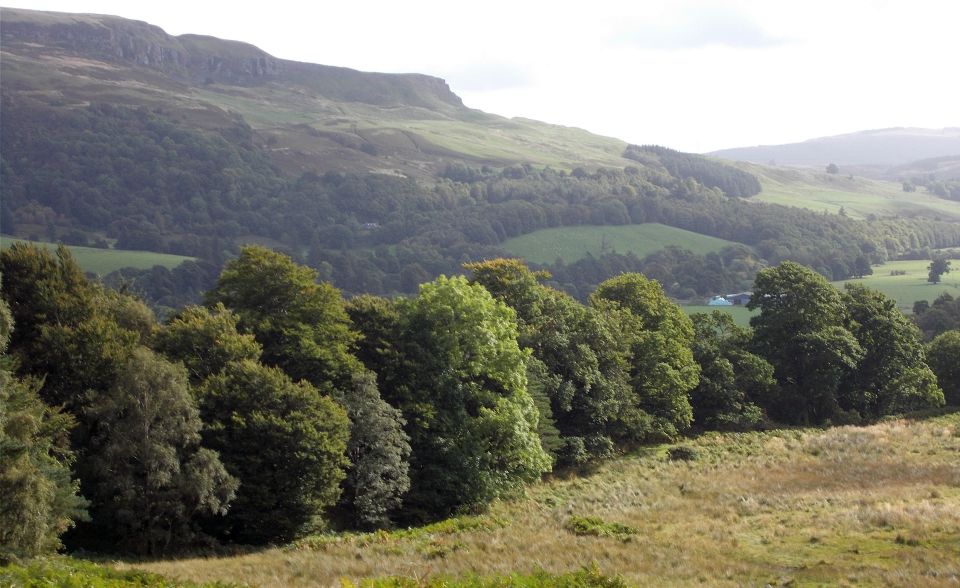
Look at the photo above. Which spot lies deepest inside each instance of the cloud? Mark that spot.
(697, 27)
(488, 77)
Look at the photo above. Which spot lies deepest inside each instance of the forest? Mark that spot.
(279, 408)
(136, 178)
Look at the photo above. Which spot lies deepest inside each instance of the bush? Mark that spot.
(683, 453)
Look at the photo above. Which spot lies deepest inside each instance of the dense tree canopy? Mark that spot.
(461, 384)
(944, 357)
(801, 331)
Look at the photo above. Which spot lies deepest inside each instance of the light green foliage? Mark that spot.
(662, 368)
(76, 573)
(153, 478)
(943, 355)
(598, 527)
(286, 444)
(461, 383)
(379, 454)
(892, 376)
(205, 341)
(582, 352)
(733, 381)
(302, 325)
(800, 331)
(38, 500)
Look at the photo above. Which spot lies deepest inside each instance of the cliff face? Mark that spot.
(198, 59)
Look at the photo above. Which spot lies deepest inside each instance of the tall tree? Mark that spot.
(461, 384)
(38, 499)
(284, 441)
(893, 375)
(801, 331)
(662, 368)
(943, 355)
(938, 267)
(153, 477)
(379, 454)
(733, 381)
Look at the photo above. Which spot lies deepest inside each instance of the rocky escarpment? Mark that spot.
(199, 59)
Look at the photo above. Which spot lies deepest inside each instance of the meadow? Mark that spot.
(858, 197)
(575, 242)
(740, 314)
(912, 285)
(104, 261)
(866, 506)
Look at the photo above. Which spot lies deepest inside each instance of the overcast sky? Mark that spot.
(693, 75)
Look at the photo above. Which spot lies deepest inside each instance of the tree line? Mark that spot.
(278, 408)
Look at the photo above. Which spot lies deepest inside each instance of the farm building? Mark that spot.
(719, 301)
(739, 298)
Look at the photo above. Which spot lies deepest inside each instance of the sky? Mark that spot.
(694, 75)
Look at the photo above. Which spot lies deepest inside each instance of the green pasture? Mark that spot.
(912, 285)
(104, 261)
(858, 197)
(573, 243)
(740, 314)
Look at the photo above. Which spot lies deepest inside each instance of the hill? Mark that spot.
(103, 261)
(191, 145)
(872, 505)
(882, 147)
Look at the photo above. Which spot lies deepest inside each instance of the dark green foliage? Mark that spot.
(379, 455)
(683, 453)
(38, 499)
(833, 169)
(152, 477)
(941, 316)
(892, 376)
(733, 381)
(943, 355)
(461, 384)
(64, 333)
(662, 368)
(301, 324)
(937, 268)
(801, 331)
(205, 341)
(284, 441)
(538, 378)
(378, 323)
(710, 173)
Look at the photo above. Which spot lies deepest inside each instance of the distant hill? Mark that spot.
(883, 147)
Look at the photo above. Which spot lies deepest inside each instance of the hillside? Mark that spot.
(312, 117)
(870, 506)
(115, 132)
(883, 147)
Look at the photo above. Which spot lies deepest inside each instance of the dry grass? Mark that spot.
(877, 505)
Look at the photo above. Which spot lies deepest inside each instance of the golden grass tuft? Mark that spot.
(877, 505)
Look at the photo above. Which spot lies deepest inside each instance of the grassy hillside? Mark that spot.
(912, 285)
(104, 261)
(859, 197)
(869, 506)
(573, 243)
(740, 314)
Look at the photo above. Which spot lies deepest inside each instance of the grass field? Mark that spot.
(573, 243)
(858, 197)
(104, 261)
(740, 314)
(865, 506)
(911, 286)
